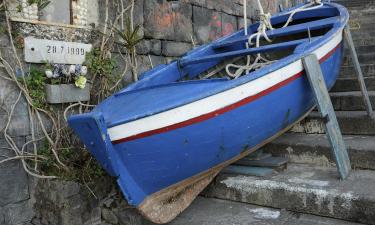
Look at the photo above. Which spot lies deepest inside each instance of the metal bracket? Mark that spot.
(318, 85)
(357, 67)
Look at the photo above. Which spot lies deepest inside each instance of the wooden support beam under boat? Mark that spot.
(244, 52)
(294, 29)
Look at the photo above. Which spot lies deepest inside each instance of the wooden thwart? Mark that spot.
(317, 83)
(243, 52)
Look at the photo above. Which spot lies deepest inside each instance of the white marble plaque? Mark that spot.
(42, 50)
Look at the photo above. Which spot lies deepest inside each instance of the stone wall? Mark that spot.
(170, 28)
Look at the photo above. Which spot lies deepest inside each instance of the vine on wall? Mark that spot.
(56, 151)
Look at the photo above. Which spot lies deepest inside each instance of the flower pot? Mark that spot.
(66, 93)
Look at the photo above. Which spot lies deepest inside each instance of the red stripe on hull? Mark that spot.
(222, 110)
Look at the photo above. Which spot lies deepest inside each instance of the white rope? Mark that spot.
(264, 25)
(309, 6)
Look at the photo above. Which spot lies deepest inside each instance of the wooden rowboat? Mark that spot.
(168, 135)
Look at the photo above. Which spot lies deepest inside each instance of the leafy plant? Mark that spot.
(35, 83)
(41, 3)
(19, 8)
(130, 37)
(99, 65)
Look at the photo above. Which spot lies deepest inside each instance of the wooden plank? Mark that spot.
(317, 83)
(294, 29)
(266, 162)
(244, 52)
(249, 171)
(357, 67)
(258, 155)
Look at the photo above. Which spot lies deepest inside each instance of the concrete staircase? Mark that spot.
(311, 183)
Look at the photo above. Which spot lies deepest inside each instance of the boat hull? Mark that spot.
(168, 157)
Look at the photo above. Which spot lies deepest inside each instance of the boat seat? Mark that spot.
(243, 52)
(293, 29)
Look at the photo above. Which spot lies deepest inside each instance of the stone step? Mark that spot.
(362, 41)
(353, 3)
(347, 71)
(365, 58)
(350, 101)
(359, 17)
(362, 49)
(305, 189)
(362, 26)
(351, 123)
(210, 211)
(356, 5)
(351, 84)
(315, 149)
(362, 34)
(365, 11)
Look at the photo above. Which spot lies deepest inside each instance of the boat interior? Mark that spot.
(202, 71)
(205, 61)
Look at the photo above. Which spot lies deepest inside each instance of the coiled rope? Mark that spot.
(264, 25)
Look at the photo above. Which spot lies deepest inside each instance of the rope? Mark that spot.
(264, 25)
(317, 3)
(259, 61)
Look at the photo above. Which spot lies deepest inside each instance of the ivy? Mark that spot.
(35, 83)
(99, 65)
(41, 3)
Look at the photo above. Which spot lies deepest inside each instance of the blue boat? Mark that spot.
(168, 135)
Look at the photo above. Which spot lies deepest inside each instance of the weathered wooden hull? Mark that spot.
(164, 158)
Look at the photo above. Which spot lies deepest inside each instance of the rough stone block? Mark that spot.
(229, 24)
(168, 20)
(207, 24)
(149, 47)
(115, 8)
(4, 39)
(109, 216)
(143, 65)
(2, 219)
(171, 48)
(240, 22)
(13, 179)
(18, 213)
(95, 217)
(227, 6)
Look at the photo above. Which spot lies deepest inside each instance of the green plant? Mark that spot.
(35, 83)
(102, 66)
(41, 3)
(129, 37)
(19, 8)
(81, 165)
